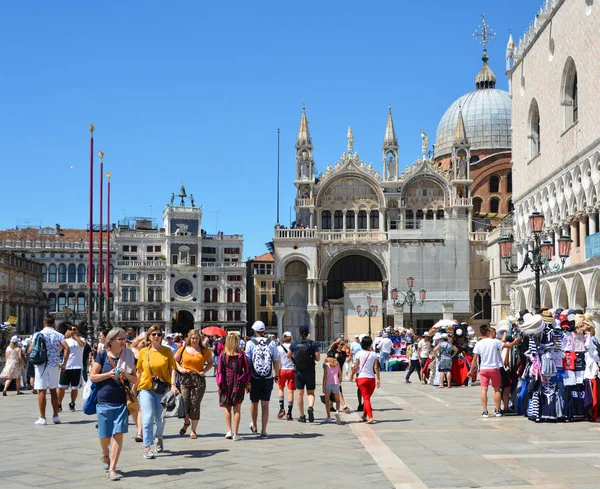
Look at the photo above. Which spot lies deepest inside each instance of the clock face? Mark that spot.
(183, 287)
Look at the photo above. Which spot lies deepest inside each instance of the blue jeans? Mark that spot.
(384, 358)
(151, 414)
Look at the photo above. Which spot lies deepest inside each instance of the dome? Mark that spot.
(487, 116)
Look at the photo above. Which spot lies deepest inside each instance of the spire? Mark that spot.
(485, 78)
(511, 43)
(303, 133)
(390, 134)
(460, 136)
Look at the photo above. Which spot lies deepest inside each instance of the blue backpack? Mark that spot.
(39, 352)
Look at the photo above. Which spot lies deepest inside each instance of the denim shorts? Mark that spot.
(332, 388)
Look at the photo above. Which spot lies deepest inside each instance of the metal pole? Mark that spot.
(90, 327)
(100, 274)
(278, 139)
(411, 318)
(369, 324)
(108, 252)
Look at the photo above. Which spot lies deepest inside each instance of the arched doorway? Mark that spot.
(295, 297)
(353, 268)
(182, 322)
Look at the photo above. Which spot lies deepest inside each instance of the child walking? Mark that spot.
(233, 378)
(332, 377)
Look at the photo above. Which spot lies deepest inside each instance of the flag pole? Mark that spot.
(90, 326)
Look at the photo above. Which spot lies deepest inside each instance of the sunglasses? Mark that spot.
(156, 334)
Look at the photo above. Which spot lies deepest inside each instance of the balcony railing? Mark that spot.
(295, 233)
(478, 236)
(141, 263)
(217, 264)
(361, 236)
(464, 202)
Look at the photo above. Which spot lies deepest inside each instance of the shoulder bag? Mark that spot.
(133, 406)
(363, 366)
(159, 386)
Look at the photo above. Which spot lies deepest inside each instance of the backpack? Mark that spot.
(262, 360)
(39, 352)
(304, 356)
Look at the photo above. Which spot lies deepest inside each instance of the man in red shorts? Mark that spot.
(487, 354)
(287, 376)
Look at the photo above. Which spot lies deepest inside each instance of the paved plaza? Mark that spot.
(424, 438)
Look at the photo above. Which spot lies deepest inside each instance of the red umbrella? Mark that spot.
(214, 330)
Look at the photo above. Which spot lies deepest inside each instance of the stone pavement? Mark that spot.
(424, 438)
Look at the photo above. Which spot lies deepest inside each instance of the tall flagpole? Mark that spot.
(108, 251)
(90, 326)
(100, 262)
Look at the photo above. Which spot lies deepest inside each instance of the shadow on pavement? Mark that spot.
(280, 435)
(193, 453)
(83, 421)
(146, 473)
(200, 435)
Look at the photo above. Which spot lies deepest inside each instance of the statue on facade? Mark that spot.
(328, 169)
(391, 167)
(462, 168)
(350, 140)
(172, 198)
(376, 175)
(424, 143)
(370, 168)
(338, 165)
(192, 199)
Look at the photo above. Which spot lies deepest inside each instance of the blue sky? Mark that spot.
(195, 91)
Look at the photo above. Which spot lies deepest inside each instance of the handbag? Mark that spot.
(89, 405)
(159, 386)
(133, 406)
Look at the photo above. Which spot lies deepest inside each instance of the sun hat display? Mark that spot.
(532, 324)
(503, 325)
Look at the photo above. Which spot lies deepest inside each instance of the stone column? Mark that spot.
(582, 218)
(381, 217)
(344, 218)
(279, 313)
(398, 316)
(573, 232)
(593, 217)
(448, 310)
(311, 323)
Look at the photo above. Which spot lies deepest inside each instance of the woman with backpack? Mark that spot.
(233, 379)
(366, 371)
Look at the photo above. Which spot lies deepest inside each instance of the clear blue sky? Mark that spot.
(195, 91)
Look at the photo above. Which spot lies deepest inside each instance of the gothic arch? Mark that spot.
(363, 177)
(531, 299)
(423, 177)
(546, 295)
(561, 298)
(595, 289)
(578, 293)
(332, 260)
(519, 300)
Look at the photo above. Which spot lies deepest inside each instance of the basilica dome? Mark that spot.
(487, 115)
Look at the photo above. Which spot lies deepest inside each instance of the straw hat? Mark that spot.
(532, 324)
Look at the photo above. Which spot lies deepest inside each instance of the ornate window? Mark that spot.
(52, 302)
(81, 273)
(534, 129)
(509, 182)
(362, 219)
(215, 295)
(229, 295)
(477, 201)
(429, 215)
(350, 219)
(238, 295)
(410, 219)
(72, 274)
(80, 302)
(441, 214)
(494, 205)
(494, 183)
(62, 302)
(338, 220)
(570, 96)
(52, 274)
(62, 273)
(482, 303)
(206, 295)
(44, 273)
(374, 218)
(326, 220)
(150, 294)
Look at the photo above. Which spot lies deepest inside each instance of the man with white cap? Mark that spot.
(287, 377)
(264, 360)
(424, 350)
(487, 354)
(355, 346)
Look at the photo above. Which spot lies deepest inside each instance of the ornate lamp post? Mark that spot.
(410, 298)
(370, 311)
(538, 258)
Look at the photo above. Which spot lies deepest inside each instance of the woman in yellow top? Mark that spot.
(193, 361)
(154, 361)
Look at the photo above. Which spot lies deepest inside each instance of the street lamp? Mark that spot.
(370, 311)
(410, 298)
(538, 259)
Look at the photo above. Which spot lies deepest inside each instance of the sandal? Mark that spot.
(139, 438)
(184, 429)
(105, 462)
(193, 435)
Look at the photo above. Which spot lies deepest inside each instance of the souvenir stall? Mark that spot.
(398, 359)
(558, 367)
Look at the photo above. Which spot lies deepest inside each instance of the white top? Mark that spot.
(489, 351)
(75, 360)
(425, 347)
(386, 345)
(368, 359)
(286, 363)
(415, 354)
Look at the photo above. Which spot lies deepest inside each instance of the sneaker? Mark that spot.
(229, 435)
(237, 438)
(72, 407)
(327, 420)
(498, 413)
(485, 414)
(281, 413)
(338, 419)
(302, 419)
(159, 445)
(56, 420)
(289, 417)
(148, 453)
(41, 421)
(406, 381)
(311, 415)
(253, 429)
(264, 436)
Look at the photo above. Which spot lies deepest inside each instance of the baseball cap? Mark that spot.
(258, 326)
(303, 330)
(287, 334)
(170, 335)
(357, 336)
(426, 333)
(15, 339)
